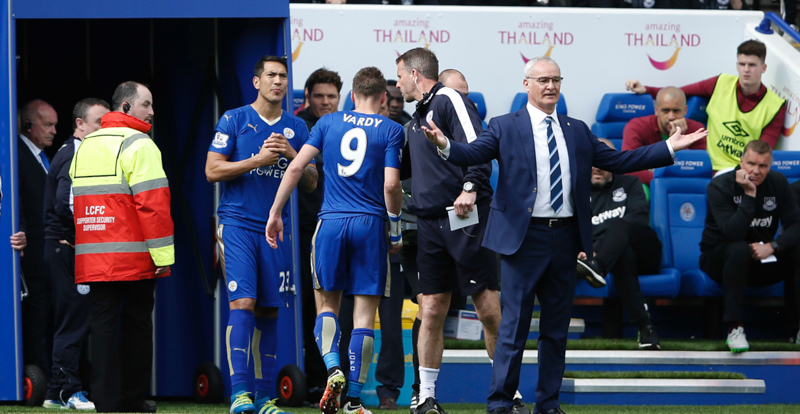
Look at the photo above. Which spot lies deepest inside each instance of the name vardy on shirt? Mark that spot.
(362, 121)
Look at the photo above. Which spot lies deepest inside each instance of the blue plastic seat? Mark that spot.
(696, 109)
(298, 97)
(614, 112)
(787, 163)
(521, 99)
(349, 105)
(480, 104)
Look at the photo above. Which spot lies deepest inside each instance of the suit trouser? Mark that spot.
(789, 11)
(544, 266)
(121, 359)
(390, 371)
(71, 310)
(316, 373)
(629, 250)
(732, 266)
(36, 310)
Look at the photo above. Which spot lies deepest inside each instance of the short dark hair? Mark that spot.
(758, 146)
(421, 59)
(753, 48)
(323, 76)
(125, 92)
(259, 68)
(369, 81)
(81, 109)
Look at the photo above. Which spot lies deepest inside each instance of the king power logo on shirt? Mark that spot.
(275, 171)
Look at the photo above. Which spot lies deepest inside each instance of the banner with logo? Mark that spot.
(783, 78)
(597, 49)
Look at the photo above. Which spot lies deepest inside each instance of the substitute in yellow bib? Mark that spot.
(740, 108)
(123, 242)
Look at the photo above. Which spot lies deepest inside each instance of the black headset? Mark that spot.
(126, 107)
(27, 125)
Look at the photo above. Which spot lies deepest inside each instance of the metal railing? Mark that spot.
(773, 18)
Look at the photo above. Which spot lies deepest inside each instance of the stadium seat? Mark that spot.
(349, 105)
(614, 112)
(298, 98)
(696, 109)
(521, 99)
(622, 107)
(677, 208)
(787, 163)
(480, 104)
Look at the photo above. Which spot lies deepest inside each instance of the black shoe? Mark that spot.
(412, 408)
(146, 406)
(500, 410)
(556, 410)
(590, 270)
(520, 407)
(648, 338)
(430, 406)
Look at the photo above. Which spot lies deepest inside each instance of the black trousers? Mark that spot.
(629, 250)
(732, 266)
(316, 373)
(71, 310)
(122, 343)
(789, 11)
(37, 320)
(390, 370)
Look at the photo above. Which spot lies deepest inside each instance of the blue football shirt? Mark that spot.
(247, 199)
(355, 149)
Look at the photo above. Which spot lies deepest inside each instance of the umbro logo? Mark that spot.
(736, 129)
(254, 127)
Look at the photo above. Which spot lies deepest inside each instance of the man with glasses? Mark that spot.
(540, 220)
(251, 149)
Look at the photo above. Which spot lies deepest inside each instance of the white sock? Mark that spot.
(491, 361)
(517, 395)
(427, 383)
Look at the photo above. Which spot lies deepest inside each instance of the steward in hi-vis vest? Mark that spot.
(123, 227)
(730, 129)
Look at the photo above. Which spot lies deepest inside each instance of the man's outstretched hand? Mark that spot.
(435, 135)
(680, 142)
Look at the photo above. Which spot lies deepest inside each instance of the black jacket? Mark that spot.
(620, 199)
(58, 218)
(438, 183)
(309, 204)
(32, 178)
(733, 216)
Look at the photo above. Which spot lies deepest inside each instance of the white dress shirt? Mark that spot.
(38, 153)
(542, 207)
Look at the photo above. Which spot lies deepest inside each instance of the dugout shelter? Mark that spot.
(197, 57)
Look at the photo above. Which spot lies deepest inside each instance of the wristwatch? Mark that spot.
(775, 246)
(470, 187)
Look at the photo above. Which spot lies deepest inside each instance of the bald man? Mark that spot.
(646, 130)
(455, 80)
(37, 130)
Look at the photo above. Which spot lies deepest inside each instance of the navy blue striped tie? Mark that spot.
(556, 188)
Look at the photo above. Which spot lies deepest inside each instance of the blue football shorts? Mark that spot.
(251, 268)
(351, 254)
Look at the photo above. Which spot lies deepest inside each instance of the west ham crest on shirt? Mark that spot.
(769, 203)
(619, 195)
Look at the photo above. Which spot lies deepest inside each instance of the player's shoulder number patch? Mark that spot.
(220, 140)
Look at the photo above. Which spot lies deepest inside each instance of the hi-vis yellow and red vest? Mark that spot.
(123, 227)
(730, 129)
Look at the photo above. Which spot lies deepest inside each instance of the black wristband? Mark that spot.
(775, 246)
